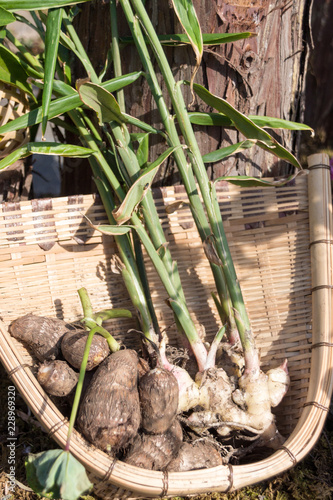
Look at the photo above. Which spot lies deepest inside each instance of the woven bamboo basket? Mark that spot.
(13, 104)
(281, 242)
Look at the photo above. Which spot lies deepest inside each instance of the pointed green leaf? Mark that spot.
(15, 5)
(187, 16)
(179, 39)
(12, 71)
(246, 126)
(242, 123)
(57, 474)
(207, 38)
(188, 19)
(221, 120)
(247, 181)
(53, 27)
(139, 189)
(219, 154)
(277, 123)
(112, 230)
(67, 103)
(101, 101)
(6, 17)
(142, 153)
(45, 148)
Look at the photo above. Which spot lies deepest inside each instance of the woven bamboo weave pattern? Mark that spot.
(48, 251)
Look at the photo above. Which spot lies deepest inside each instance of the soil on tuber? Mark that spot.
(42, 335)
(57, 377)
(73, 344)
(109, 415)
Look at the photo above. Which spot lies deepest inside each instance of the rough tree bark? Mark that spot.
(260, 75)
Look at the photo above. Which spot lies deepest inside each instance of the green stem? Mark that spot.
(116, 51)
(180, 158)
(80, 49)
(85, 302)
(79, 386)
(90, 322)
(208, 194)
(103, 177)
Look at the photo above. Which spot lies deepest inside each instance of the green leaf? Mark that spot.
(15, 5)
(219, 119)
(53, 27)
(6, 17)
(179, 39)
(246, 126)
(188, 18)
(45, 148)
(139, 189)
(12, 71)
(247, 181)
(142, 153)
(57, 474)
(67, 103)
(219, 154)
(111, 230)
(101, 101)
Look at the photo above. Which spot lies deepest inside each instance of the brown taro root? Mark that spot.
(57, 378)
(109, 416)
(155, 451)
(74, 343)
(159, 394)
(42, 335)
(197, 455)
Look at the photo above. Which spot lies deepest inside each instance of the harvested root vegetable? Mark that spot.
(246, 408)
(57, 378)
(155, 451)
(41, 334)
(197, 455)
(109, 416)
(74, 343)
(158, 391)
(143, 367)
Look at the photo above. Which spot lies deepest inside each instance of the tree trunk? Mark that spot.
(261, 75)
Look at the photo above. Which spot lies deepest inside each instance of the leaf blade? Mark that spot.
(45, 148)
(12, 71)
(15, 5)
(52, 36)
(222, 153)
(64, 104)
(246, 126)
(187, 17)
(103, 102)
(139, 189)
(6, 17)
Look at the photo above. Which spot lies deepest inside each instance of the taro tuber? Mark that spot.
(41, 334)
(197, 455)
(57, 377)
(155, 451)
(159, 392)
(109, 416)
(74, 343)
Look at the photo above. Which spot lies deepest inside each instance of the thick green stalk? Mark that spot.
(78, 391)
(116, 51)
(176, 299)
(132, 166)
(180, 158)
(131, 276)
(80, 49)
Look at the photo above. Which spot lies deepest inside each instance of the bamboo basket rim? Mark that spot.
(223, 478)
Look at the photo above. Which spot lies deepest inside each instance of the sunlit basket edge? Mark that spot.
(224, 478)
